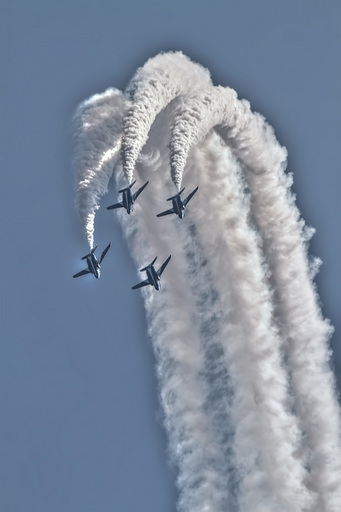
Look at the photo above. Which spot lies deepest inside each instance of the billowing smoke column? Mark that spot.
(241, 347)
(157, 83)
(97, 140)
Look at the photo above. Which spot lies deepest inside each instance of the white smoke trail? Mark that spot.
(296, 305)
(298, 313)
(202, 473)
(216, 297)
(177, 347)
(196, 115)
(97, 142)
(197, 293)
(266, 432)
(153, 86)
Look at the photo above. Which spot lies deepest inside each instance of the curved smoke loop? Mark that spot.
(242, 350)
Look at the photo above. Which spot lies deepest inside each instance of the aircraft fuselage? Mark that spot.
(153, 277)
(128, 200)
(178, 206)
(93, 266)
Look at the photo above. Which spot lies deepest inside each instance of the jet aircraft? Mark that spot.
(178, 204)
(153, 276)
(128, 198)
(94, 265)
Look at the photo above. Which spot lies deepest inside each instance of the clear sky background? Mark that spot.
(80, 423)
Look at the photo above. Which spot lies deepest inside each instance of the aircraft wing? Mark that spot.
(163, 266)
(167, 212)
(138, 192)
(114, 206)
(140, 285)
(189, 197)
(82, 273)
(104, 253)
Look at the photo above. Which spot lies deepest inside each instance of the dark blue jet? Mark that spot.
(153, 276)
(94, 265)
(128, 198)
(178, 204)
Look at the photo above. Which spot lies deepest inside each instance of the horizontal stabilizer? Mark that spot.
(126, 188)
(176, 195)
(88, 255)
(150, 264)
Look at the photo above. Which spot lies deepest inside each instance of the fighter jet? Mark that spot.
(128, 198)
(94, 265)
(153, 276)
(178, 204)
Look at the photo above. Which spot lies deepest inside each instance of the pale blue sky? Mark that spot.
(80, 427)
